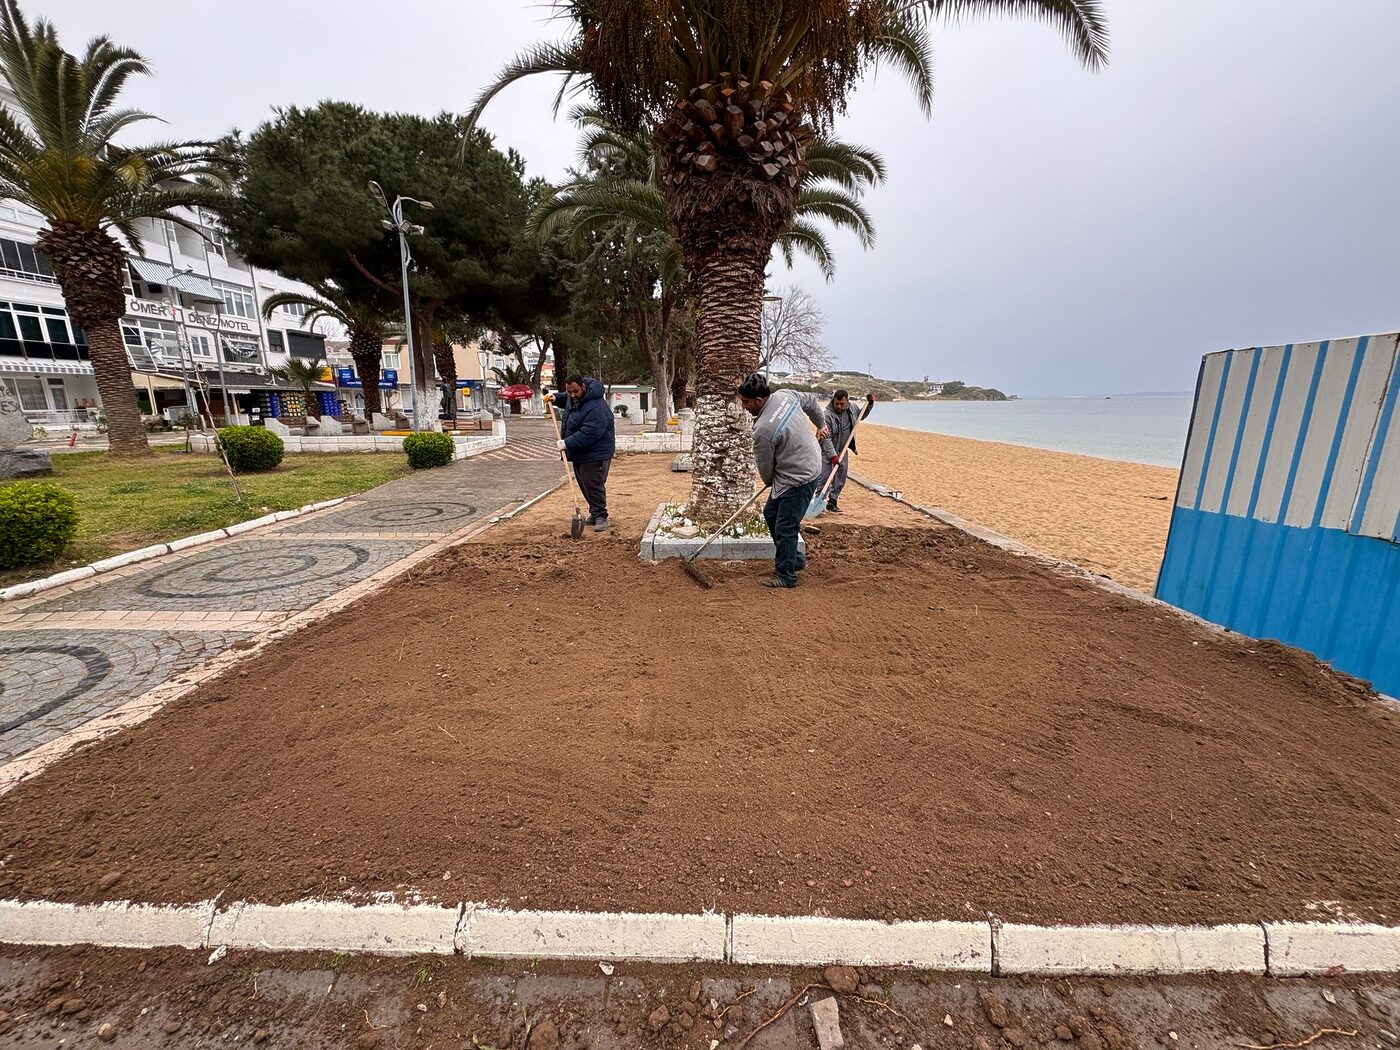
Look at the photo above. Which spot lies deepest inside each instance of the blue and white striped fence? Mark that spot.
(1287, 516)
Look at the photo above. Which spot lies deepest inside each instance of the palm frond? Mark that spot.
(805, 237)
(1080, 22)
(542, 58)
(904, 43)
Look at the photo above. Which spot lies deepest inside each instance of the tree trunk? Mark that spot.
(447, 371)
(88, 264)
(425, 389)
(561, 363)
(366, 349)
(730, 292)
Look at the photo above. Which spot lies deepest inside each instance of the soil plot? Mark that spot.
(927, 728)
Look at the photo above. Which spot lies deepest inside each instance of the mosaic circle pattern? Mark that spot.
(36, 679)
(428, 516)
(243, 572)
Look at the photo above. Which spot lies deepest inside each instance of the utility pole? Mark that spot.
(421, 370)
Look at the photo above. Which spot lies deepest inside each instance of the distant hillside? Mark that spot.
(861, 383)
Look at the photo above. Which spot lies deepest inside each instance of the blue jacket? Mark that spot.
(588, 426)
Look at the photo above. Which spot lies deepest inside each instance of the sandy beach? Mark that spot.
(1109, 516)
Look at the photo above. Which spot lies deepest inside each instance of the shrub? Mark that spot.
(428, 449)
(250, 449)
(37, 519)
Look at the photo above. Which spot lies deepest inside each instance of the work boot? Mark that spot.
(774, 581)
(592, 519)
(832, 508)
(600, 525)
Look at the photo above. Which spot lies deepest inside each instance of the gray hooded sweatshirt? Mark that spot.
(786, 449)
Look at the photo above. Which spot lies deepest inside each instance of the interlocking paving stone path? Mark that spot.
(272, 573)
(78, 653)
(54, 681)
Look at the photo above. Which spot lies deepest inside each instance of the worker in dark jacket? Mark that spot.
(588, 443)
(841, 420)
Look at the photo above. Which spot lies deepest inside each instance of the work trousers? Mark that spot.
(784, 517)
(842, 470)
(593, 480)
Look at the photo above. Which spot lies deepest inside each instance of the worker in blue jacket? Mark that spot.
(588, 443)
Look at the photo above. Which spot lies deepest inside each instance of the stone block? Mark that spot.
(826, 1019)
(249, 526)
(117, 925)
(25, 463)
(683, 463)
(276, 426)
(379, 421)
(1300, 948)
(385, 929)
(816, 941)
(331, 427)
(1129, 949)
(130, 557)
(592, 935)
(59, 579)
(196, 540)
(753, 548)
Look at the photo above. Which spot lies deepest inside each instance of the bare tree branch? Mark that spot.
(792, 334)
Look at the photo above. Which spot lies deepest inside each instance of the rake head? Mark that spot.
(688, 564)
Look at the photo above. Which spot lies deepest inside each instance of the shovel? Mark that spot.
(575, 525)
(818, 504)
(688, 564)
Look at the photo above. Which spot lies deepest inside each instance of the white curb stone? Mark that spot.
(130, 557)
(116, 925)
(815, 941)
(1299, 948)
(195, 541)
(283, 515)
(1129, 949)
(385, 929)
(248, 526)
(71, 576)
(592, 935)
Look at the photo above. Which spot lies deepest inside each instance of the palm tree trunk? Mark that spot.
(366, 353)
(729, 286)
(447, 372)
(126, 434)
(88, 264)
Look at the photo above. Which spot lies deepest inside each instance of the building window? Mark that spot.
(30, 393)
(20, 260)
(240, 351)
(297, 310)
(200, 346)
(389, 359)
(40, 333)
(238, 301)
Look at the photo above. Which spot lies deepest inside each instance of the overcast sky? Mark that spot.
(1232, 179)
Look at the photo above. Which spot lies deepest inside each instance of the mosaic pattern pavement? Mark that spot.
(254, 575)
(430, 517)
(54, 681)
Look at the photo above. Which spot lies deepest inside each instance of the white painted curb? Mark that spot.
(117, 561)
(1293, 949)
(815, 941)
(1022, 949)
(112, 925)
(1297, 949)
(383, 929)
(501, 933)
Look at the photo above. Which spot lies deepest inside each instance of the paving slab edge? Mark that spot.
(474, 930)
(159, 550)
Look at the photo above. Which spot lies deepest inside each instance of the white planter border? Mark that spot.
(480, 931)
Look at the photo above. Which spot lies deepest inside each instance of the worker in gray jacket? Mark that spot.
(841, 420)
(789, 458)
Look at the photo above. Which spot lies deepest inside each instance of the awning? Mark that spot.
(153, 272)
(144, 381)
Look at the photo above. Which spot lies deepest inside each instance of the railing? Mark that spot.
(63, 417)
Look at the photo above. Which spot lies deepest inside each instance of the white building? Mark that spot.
(193, 327)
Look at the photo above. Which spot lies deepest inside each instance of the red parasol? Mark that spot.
(516, 392)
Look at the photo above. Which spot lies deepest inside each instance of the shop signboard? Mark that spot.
(388, 378)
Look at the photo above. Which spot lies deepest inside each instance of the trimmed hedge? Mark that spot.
(251, 449)
(428, 449)
(37, 519)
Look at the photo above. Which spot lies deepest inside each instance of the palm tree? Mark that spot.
(305, 374)
(619, 200)
(365, 322)
(516, 375)
(58, 156)
(735, 91)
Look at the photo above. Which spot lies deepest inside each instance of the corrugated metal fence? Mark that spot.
(1287, 516)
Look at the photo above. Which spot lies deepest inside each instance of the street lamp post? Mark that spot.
(419, 371)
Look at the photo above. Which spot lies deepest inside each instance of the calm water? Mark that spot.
(1137, 429)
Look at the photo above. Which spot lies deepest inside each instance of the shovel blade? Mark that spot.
(576, 526)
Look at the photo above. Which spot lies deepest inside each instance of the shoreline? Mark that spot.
(1110, 516)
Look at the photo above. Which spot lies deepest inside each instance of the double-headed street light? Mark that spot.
(395, 211)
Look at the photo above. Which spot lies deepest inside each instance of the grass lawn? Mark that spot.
(124, 505)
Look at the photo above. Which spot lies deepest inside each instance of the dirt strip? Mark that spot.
(926, 728)
(148, 1000)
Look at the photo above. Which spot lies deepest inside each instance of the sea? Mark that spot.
(1135, 428)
